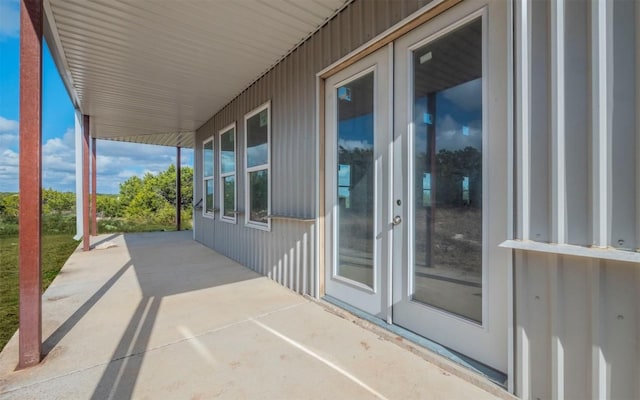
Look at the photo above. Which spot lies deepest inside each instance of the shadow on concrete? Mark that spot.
(53, 339)
(165, 264)
(104, 240)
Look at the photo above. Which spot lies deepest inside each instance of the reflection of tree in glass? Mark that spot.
(229, 196)
(259, 182)
(452, 167)
(356, 221)
(449, 232)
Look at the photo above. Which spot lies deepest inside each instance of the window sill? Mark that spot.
(290, 218)
(608, 253)
(228, 220)
(259, 226)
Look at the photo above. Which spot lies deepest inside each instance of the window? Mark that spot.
(207, 177)
(257, 130)
(228, 173)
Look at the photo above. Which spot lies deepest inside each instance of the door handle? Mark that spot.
(397, 220)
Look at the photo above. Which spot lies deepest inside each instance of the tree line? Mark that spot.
(147, 200)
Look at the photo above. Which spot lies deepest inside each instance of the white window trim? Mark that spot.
(223, 217)
(210, 215)
(267, 167)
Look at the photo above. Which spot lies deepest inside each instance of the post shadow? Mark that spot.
(121, 375)
(106, 239)
(154, 263)
(66, 327)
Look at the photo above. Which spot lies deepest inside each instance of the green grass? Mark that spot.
(56, 249)
(123, 225)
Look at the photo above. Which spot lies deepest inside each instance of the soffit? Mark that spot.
(154, 71)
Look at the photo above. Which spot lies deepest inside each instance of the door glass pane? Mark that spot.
(447, 120)
(229, 194)
(355, 170)
(258, 192)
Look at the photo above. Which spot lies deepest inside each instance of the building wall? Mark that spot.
(287, 253)
(577, 317)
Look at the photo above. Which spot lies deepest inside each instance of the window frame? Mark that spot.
(223, 175)
(208, 214)
(248, 170)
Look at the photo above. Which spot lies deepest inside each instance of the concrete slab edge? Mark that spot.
(424, 353)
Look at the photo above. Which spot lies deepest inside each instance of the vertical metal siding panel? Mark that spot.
(539, 324)
(577, 122)
(522, 11)
(601, 20)
(623, 179)
(540, 146)
(522, 324)
(355, 23)
(382, 15)
(619, 324)
(591, 306)
(575, 323)
(334, 45)
(292, 170)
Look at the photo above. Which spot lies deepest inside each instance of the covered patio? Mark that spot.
(158, 315)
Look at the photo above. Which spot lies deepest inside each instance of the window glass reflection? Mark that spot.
(229, 195)
(355, 180)
(258, 201)
(227, 152)
(207, 159)
(209, 196)
(257, 139)
(447, 110)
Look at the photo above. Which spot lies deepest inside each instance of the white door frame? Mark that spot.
(375, 300)
(486, 342)
(422, 16)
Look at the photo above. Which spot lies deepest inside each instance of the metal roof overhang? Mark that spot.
(154, 71)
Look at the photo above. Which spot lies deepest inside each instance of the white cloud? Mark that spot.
(8, 171)
(467, 96)
(8, 147)
(8, 125)
(9, 19)
(354, 144)
(8, 140)
(116, 162)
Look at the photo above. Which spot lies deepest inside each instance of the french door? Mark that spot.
(416, 183)
(358, 133)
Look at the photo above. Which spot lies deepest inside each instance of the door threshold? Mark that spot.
(494, 376)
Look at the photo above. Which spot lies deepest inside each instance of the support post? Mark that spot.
(30, 282)
(78, 158)
(178, 190)
(94, 191)
(85, 183)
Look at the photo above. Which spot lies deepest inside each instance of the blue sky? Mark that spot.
(117, 161)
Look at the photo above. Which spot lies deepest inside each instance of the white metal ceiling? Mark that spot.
(154, 71)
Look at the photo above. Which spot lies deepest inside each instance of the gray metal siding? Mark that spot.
(578, 317)
(287, 253)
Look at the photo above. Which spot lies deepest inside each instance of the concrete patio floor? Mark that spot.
(160, 316)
